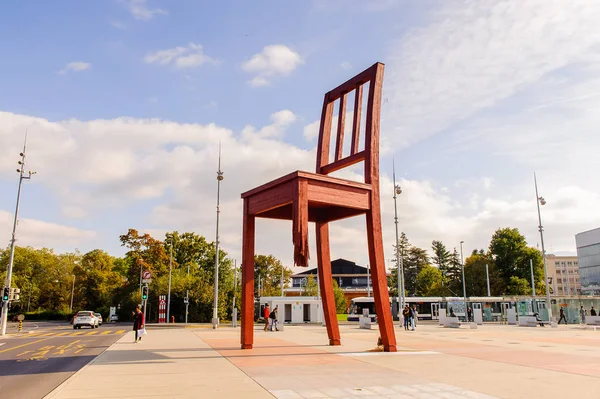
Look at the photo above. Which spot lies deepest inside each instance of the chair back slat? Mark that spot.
(374, 77)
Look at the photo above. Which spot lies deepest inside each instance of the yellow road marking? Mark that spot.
(77, 351)
(46, 334)
(106, 332)
(92, 333)
(20, 346)
(120, 332)
(24, 353)
(77, 333)
(63, 333)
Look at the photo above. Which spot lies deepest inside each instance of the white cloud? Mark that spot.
(281, 121)
(37, 233)
(76, 66)
(346, 65)
(139, 10)
(118, 24)
(274, 60)
(191, 56)
(474, 55)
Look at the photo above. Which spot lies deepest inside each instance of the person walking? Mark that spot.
(406, 316)
(562, 316)
(593, 312)
(273, 317)
(266, 314)
(582, 314)
(138, 323)
(414, 316)
(469, 314)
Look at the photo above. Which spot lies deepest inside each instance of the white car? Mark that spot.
(85, 318)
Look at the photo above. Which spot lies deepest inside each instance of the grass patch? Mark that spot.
(342, 317)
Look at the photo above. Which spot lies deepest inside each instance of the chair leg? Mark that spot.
(325, 282)
(247, 330)
(380, 288)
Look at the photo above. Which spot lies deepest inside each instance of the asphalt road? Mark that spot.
(33, 364)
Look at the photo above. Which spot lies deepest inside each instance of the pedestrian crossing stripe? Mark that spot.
(77, 333)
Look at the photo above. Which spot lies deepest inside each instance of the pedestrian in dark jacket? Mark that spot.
(138, 322)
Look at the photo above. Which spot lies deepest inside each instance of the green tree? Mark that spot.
(453, 277)
(518, 286)
(475, 275)
(310, 287)
(441, 256)
(512, 257)
(400, 250)
(341, 305)
(268, 269)
(429, 281)
(416, 260)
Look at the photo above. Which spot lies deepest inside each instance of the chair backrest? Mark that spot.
(370, 154)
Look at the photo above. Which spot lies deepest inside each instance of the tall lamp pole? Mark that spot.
(462, 264)
(234, 310)
(399, 261)
(215, 320)
(21, 171)
(187, 297)
(541, 201)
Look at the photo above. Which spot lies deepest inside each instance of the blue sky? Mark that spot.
(126, 101)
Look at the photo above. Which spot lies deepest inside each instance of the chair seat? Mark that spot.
(325, 198)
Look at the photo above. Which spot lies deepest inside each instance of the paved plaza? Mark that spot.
(493, 361)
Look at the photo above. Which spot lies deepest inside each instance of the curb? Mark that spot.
(56, 390)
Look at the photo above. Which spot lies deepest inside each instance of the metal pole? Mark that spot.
(72, 294)
(215, 320)
(282, 280)
(187, 297)
(146, 303)
(532, 278)
(234, 310)
(169, 289)
(399, 260)
(487, 273)
(539, 199)
(462, 263)
(368, 281)
(8, 281)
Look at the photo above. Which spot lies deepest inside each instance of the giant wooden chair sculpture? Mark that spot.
(315, 197)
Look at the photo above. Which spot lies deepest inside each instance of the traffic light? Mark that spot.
(145, 292)
(6, 294)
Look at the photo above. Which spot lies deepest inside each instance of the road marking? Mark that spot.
(77, 333)
(120, 332)
(20, 346)
(92, 333)
(46, 334)
(24, 353)
(77, 351)
(106, 332)
(62, 333)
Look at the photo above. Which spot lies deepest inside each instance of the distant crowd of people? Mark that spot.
(410, 317)
(271, 318)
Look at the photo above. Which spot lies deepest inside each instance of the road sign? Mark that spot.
(21, 317)
(146, 275)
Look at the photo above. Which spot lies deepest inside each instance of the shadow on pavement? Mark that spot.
(43, 366)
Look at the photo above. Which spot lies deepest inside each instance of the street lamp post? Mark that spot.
(462, 264)
(399, 260)
(187, 297)
(487, 275)
(234, 310)
(21, 171)
(541, 201)
(215, 320)
(170, 273)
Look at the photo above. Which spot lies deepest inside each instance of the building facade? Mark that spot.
(563, 275)
(588, 255)
(353, 279)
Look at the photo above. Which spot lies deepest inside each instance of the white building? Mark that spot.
(588, 255)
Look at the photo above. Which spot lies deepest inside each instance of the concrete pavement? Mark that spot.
(432, 362)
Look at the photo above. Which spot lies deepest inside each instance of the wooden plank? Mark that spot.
(300, 224)
(339, 142)
(343, 163)
(360, 79)
(272, 183)
(356, 120)
(338, 195)
(247, 329)
(271, 198)
(324, 134)
(324, 269)
(372, 130)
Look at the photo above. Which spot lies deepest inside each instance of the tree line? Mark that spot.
(96, 280)
(508, 258)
